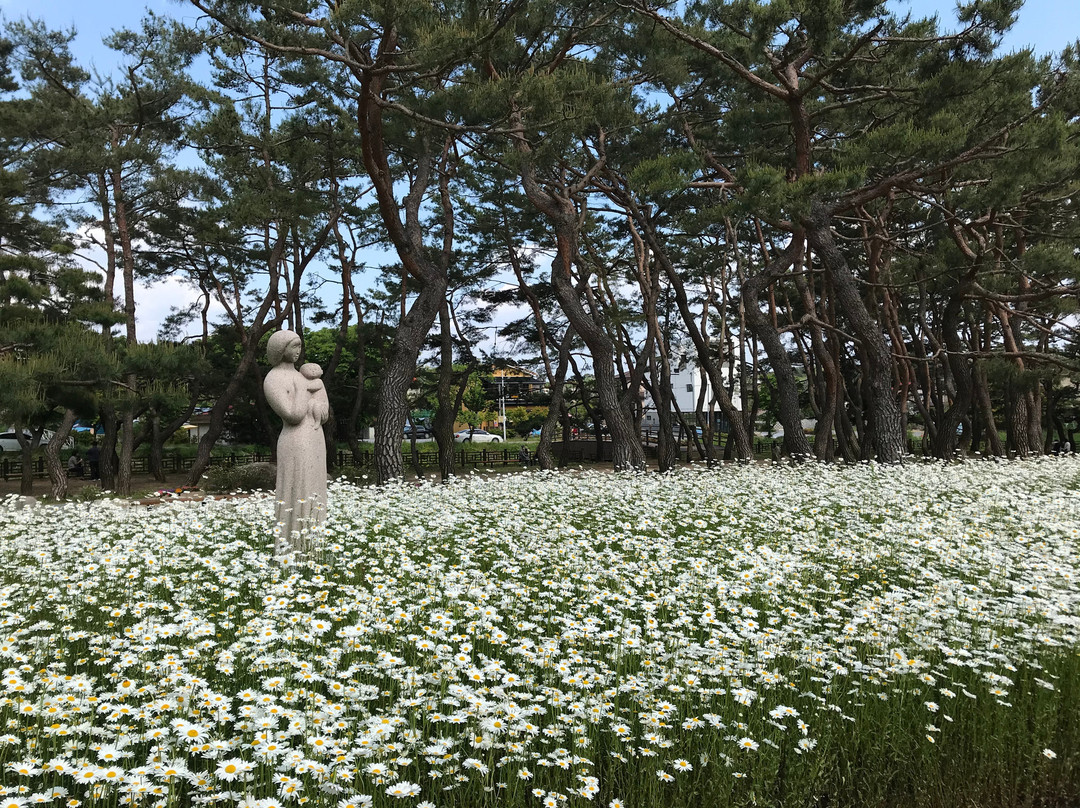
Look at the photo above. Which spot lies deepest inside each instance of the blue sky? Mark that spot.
(1046, 25)
(93, 19)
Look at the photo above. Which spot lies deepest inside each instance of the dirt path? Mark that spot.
(141, 484)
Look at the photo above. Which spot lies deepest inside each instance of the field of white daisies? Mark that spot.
(815, 636)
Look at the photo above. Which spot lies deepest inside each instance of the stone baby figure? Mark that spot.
(319, 408)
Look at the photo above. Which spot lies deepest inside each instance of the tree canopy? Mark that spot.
(831, 212)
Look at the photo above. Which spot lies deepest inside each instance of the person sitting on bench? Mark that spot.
(75, 465)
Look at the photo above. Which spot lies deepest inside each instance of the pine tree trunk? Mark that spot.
(626, 449)
(214, 428)
(397, 376)
(824, 446)
(947, 436)
(986, 410)
(740, 439)
(57, 471)
(127, 448)
(884, 419)
(557, 407)
(1018, 422)
(109, 460)
(157, 448)
(352, 422)
(927, 394)
(127, 266)
(667, 454)
(109, 285)
(561, 211)
(795, 443)
(446, 413)
(978, 428)
(846, 443)
(1034, 426)
(564, 448)
(1053, 417)
(26, 451)
(408, 238)
(414, 455)
(556, 376)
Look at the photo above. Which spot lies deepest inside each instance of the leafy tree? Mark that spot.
(50, 361)
(107, 142)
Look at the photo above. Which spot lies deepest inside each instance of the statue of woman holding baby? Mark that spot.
(299, 397)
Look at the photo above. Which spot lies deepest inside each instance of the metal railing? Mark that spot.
(464, 458)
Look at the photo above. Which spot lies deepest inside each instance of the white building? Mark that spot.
(687, 385)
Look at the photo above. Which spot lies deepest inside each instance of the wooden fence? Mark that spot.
(576, 451)
(171, 464)
(763, 447)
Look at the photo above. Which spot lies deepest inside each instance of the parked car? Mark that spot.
(9, 442)
(420, 430)
(475, 436)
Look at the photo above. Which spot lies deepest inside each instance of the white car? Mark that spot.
(10, 443)
(475, 436)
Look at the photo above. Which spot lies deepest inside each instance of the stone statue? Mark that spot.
(299, 397)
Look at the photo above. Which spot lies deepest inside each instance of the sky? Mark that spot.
(1047, 26)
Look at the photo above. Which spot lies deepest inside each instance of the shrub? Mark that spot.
(255, 476)
(218, 478)
(249, 477)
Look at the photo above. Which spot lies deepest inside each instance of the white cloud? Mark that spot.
(155, 301)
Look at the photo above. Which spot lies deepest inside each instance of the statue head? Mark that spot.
(311, 371)
(281, 346)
